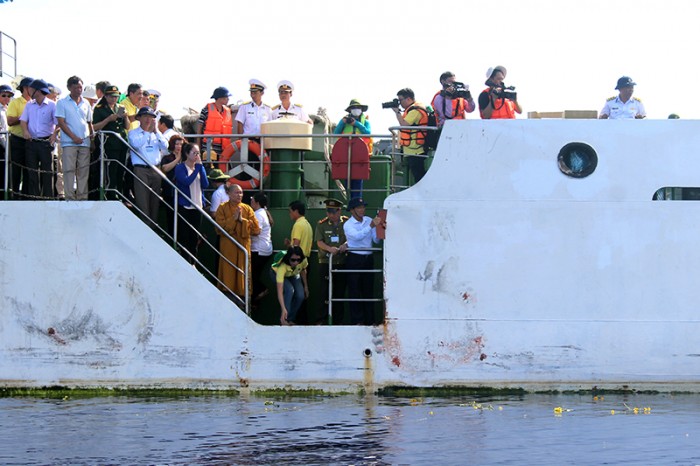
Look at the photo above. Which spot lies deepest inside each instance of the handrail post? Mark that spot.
(103, 194)
(349, 179)
(330, 288)
(175, 216)
(6, 167)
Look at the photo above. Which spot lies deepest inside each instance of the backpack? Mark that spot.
(432, 137)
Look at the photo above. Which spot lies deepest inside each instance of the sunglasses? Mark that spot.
(295, 260)
(332, 211)
(6, 95)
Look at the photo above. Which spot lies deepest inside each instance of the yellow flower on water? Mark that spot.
(612, 411)
(500, 408)
(647, 410)
(558, 410)
(635, 410)
(431, 413)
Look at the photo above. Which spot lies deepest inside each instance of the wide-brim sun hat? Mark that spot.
(355, 103)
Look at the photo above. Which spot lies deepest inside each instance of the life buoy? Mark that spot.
(240, 166)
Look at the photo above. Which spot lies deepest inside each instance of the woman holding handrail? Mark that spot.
(190, 179)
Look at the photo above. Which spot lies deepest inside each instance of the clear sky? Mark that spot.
(560, 54)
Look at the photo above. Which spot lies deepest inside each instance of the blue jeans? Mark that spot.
(293, 294)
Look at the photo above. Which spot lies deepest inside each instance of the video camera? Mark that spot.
(506, 93)
(393, 104)
(458, 90)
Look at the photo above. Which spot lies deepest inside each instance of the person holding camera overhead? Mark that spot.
(498, 101)
(356, 122)
(454, 101)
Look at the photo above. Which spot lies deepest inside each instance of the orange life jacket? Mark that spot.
(218, 123)
(347, 129)
(457, 112)
(406, 134)
(502, 108)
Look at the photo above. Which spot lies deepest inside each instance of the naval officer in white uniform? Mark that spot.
(251, 114)
(286, 106)
(623, 106)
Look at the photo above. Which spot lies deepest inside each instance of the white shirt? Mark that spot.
(360, 234)
(167, 135)
(148, 144)
(195, 188)
(252, 116)
(262, 243)
(617, 109)
(295, 109)
(218, 196)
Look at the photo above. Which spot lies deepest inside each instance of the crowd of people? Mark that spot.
(53, 153)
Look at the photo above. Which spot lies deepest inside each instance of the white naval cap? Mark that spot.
(257, 85)
(285, 86)
(90, 91)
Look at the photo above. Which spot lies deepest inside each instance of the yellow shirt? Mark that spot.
(131, 109)
(15, 109)
(303, 232)
(283, 270)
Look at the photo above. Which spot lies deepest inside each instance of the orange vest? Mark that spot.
(219, 124)
(407, 133)
(503, 108)
(457, 109)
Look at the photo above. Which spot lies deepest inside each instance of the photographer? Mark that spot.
(356, 122)
(454, 101)
(412, 141)
(498, 101)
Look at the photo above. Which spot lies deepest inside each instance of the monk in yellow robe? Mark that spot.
(238, 220)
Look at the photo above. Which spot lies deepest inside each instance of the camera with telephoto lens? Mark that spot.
(393, 104)
(506, 93)
(349, 119)
(458, 90)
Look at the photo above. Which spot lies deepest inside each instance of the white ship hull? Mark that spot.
(500, 272)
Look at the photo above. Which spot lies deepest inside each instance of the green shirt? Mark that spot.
(332, 235)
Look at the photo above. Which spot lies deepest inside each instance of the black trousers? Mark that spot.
(40, 170)
(188, 235)
(18, 170)
(258, 264)
(339, 285)
(360, 286)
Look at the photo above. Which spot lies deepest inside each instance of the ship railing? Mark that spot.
(8, 52)
(332, 271)
(398, 156)
(243, 303)
(394, 162)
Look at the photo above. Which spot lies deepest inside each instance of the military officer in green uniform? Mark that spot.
(330, 239)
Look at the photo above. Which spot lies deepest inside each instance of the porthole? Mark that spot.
(577, 160)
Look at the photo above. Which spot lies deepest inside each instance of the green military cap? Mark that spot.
(333, 203)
